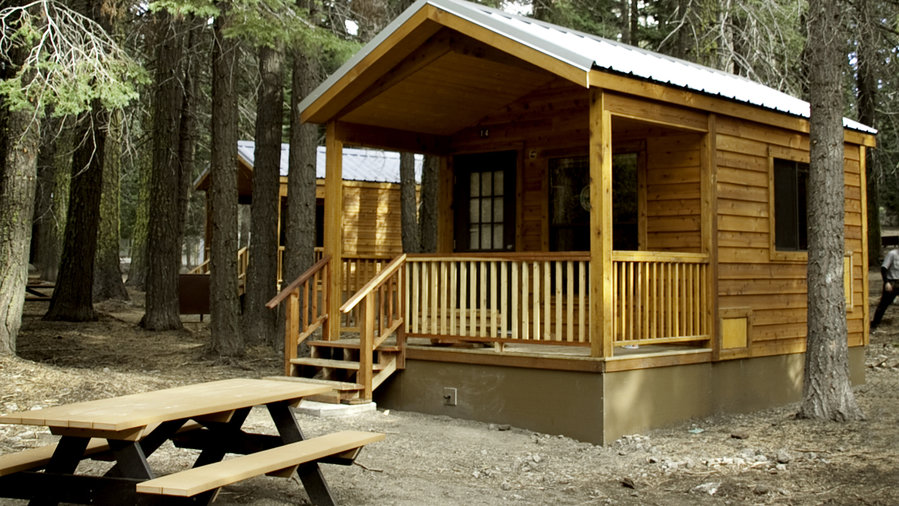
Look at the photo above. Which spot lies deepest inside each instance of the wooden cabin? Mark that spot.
(371, 197)
(622, 234)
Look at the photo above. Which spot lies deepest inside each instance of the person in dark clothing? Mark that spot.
(889, 271)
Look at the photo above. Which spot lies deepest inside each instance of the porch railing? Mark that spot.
(500, 297)
(657, 297)
(310, 289)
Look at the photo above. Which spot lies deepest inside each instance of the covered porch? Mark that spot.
(572, 214)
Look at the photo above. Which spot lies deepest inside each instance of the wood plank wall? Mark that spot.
(673, 205)
(372, 221)
(749, 278)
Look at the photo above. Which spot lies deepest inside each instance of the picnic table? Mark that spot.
(206, 417)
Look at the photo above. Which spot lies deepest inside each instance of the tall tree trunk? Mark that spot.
(427, 211)
(51, 200)
(18, 175)
(259, 322)
(826, 392)
(867, 82)
(299, 239)
(73, 296)
(299, 247)
(226, 340)
(108, 282)
(137, 270)
(166, 221)
(409, 204)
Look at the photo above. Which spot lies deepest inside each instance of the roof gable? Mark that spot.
(561, 51)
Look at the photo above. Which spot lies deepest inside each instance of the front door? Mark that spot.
(485, 201)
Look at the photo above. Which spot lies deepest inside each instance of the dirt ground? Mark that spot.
(767, 457)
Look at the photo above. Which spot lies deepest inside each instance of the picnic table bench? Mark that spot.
(206, 417)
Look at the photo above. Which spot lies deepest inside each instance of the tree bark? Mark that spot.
(51, 200)
(137, 270)
(18, 176)
(259, 322)
(166, 221)
(299, 239)
(427, 211)
(409, 204)
(108, 282)
(226, 340)
(826, 391)
(73, 295)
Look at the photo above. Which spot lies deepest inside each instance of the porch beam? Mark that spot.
(333, 233)
(600, 225)
(709, 227)
(353, 134)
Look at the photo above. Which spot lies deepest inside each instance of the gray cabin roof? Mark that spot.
(586, 52)
(370, 165)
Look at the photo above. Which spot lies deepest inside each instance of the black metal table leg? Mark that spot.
(310, 473)
(223, 432)
(69, 452)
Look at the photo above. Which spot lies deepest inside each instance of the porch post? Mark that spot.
(333, 233)
(600, 226)
(709, 226)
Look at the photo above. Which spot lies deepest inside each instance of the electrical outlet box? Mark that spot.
(449, 396)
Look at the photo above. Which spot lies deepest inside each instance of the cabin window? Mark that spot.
(790, 193)
(569, 203)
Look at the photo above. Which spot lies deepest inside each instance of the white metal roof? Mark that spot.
(358, 164)
(585, 52)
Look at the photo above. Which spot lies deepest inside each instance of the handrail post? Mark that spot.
(366, 343)
(291, 330)
(326, 300)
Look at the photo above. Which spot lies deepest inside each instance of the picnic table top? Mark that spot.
(136, 411)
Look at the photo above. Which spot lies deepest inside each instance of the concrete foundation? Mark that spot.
(598, 407)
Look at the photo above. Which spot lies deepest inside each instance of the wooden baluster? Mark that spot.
(569, 307)
(453, 290)
(559, 302)
(482, 280)
(463, 299)
(415, 302)
(536, 300)
(504, 313)
(516, 315)
(547, 299)
(444, 297)
(434, 314)
(305, 311)
(525, 300)
(473, 300)
(494, 310)
(583, 333)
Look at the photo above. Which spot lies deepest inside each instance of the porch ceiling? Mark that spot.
(447, 84)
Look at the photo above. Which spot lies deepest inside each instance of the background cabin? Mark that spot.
(371, 207)
(622, 232)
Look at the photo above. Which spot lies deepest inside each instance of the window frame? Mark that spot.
(790, 155)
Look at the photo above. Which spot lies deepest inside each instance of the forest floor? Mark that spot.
(766, 457)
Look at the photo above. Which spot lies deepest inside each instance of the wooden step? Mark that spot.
(334, 364)
(349, 344)
(340, 386)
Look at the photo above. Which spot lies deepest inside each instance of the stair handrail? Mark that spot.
(394, 318)
(302, 278)
(315, 278)
(374, 283)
